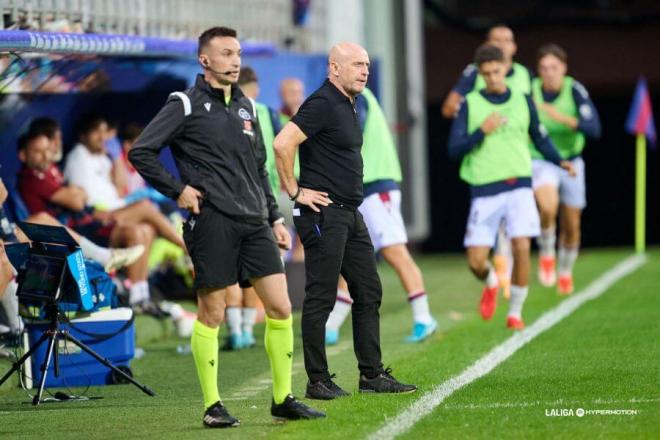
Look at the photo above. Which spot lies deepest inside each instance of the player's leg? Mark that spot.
(249, 316)
(519, 281)
(145, 212)
(411, 278)
(547, 200)
(477, 257)
(12, 323)
(234, 318)
(387, 230)
(339, 313)
(503, 260)
(137, 272)
(573, 200)
(522, 224)
(409, 273)
(569, 245)
(298, 251)
(486, 214)
(545, 180)
(6, 269)
(110, 258)
(481, 268)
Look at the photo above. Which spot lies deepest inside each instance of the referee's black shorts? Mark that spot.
(225, 251)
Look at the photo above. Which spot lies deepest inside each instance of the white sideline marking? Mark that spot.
(429, 401)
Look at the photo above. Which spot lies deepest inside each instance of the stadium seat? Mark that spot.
(15, 207)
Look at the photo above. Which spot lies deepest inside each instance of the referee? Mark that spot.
(234, 228)
(330, 226)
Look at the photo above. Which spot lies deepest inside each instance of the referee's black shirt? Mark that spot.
(330, 158)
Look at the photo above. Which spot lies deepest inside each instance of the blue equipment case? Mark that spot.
(111, 333)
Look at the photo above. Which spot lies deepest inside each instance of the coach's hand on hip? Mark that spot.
(312, 198)
(189, 199)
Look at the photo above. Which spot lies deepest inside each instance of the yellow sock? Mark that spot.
(279, 346)
(204, 346)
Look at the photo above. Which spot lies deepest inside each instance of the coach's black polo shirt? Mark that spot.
(330, 158)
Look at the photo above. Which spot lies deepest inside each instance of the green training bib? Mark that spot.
(503, 154)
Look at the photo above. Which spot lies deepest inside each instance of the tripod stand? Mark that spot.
(52, 335)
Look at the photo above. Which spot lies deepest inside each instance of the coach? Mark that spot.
(330, 226)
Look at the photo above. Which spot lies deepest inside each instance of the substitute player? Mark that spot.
(234, 228)
(518, 78)
(381, 210)
(491, 134)
(570, 116)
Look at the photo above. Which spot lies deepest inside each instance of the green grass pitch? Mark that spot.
(606, 355)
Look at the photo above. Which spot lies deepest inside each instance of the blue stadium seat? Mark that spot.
(15, 207)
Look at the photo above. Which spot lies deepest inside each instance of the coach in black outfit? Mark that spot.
(330, 226)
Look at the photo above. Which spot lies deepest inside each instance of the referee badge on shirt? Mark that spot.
(244, 114)
(247, 121)
(247, 128)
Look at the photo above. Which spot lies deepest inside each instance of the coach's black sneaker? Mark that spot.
(216, 416)
(384, 383)
(293, 409)
(324, 390)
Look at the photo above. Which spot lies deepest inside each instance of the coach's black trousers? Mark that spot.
(336, 241)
